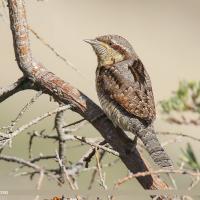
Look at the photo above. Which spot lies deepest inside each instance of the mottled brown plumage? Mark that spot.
(125, 92)
(129, 85)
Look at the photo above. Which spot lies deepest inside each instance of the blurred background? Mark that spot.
(165, 35)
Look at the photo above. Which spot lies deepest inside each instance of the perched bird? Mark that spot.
(125, 93)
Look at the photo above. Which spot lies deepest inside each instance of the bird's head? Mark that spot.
(111, 49)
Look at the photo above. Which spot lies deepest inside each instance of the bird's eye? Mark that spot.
(110, 43)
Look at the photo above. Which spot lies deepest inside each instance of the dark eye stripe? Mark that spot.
(119, 48)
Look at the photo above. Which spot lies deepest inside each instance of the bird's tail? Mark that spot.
(153, 147)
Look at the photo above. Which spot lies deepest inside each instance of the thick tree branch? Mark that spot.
(66, 93)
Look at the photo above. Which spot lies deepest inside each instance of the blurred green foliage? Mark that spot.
(185, 98)
(189, 158)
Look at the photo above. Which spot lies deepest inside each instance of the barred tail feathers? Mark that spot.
(154, 148)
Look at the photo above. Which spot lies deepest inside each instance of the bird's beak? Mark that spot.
(91, 41)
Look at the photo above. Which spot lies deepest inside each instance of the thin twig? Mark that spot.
(41, 177)
(32, 136)
(194, 183)
(102, 153)
(24, 109)
(8, 137)
(101, 175)
(72, 186)
(21, 84)
(85, 140)
(20, 161)
(41, 135)
(74, 123)
(69, 129)
(161, 171)
(83, 162)
(61, 57)
(110, 164)
(33, 160)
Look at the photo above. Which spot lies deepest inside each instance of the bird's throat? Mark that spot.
(109, 59)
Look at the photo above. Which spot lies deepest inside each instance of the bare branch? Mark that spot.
(7, 137)
(19, 85)
(161, 171)
(194, 183)
(61, 57)
(33, 160)
(59, 123)
(41, 178)
(20, 161)
(76, 126)
(68, 178)
(83, 161)
(74, 123)
(41, 135)
(24, 109)
(99, 169)
(85, 140)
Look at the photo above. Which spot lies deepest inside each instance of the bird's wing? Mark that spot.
(129, 85)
